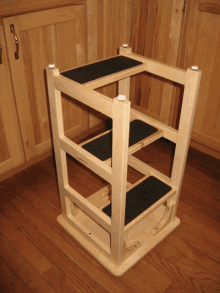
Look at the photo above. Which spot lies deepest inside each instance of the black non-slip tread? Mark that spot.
(102, 146)
(99, 69)
(141, 197)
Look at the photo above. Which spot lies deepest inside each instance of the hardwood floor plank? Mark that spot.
(18, 287)
(22, 215)
(207, 281)
(24, 247)
(176, 275)
(168, 251)
(195, 254)
(40, 263)
(7, 275)
(155, 278)
(22, 268)
(37, 255)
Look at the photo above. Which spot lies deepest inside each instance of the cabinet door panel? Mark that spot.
(52, 36)
(11, 151)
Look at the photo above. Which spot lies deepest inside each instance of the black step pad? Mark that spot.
(141, 197)
(99, 69)
(102, 146)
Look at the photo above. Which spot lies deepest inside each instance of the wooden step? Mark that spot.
(100, 69)
(141, 197)
(102, 146)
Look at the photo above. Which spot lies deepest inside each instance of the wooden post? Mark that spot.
(58, 132)
(193, 77)
(124, 84)
(121, 124)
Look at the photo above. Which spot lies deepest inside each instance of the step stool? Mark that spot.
(122, 222)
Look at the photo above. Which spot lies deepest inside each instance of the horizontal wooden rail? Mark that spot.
(144, 142)
(145, 169)
(114, 77)
(169, 132)
(88, 97)
(161, 69)
(87, 159)
(89, 208)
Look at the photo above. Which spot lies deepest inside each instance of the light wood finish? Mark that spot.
(11, 150)
(120, 138)
(211, 6)
(160, 69)
(58, 131)
(190, 96)
(87, 159)
(115, 246)
(79, 92)
(42, 38)
(169, 132)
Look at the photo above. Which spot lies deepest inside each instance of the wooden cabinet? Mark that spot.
(11, 150)
(178, 33)
(68, 36)
(52, 36)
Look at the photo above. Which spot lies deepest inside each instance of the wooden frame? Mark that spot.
(116, 246)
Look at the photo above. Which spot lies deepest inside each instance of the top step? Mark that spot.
(100, 69)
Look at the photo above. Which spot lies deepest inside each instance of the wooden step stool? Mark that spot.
(120, 223)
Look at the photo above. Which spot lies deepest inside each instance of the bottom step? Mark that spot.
(147, 243)
(141, 197)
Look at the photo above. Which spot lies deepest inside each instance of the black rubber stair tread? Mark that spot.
(102, 146)
(141, 197)
(99, 69)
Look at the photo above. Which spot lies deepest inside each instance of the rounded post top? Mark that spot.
(195, 67)
(121, 98)
(125, 45)
(51, 66)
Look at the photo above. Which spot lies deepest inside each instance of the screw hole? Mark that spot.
(90, 233)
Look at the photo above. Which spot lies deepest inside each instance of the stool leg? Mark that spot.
(121, 124)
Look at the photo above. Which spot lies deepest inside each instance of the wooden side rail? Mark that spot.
(169, 132)
(145, 168)
(89, 208)
(88, 97)
(158, 68)
(87, 159)
(114, 77)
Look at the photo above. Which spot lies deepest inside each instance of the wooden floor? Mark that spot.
(37, 255)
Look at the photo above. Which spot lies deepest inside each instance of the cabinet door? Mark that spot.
(11, 151)
(52, 36)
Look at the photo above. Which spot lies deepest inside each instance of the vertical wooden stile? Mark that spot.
(124, 84)
(58, 132)
(121, 123)
(192, 83)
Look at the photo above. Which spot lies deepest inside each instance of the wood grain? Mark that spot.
(40, 45)
(11, 154)
(211, 6)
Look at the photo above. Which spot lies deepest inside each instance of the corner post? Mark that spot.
(58, 132)
(124, 84)
(193, 77)
(121, 124)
